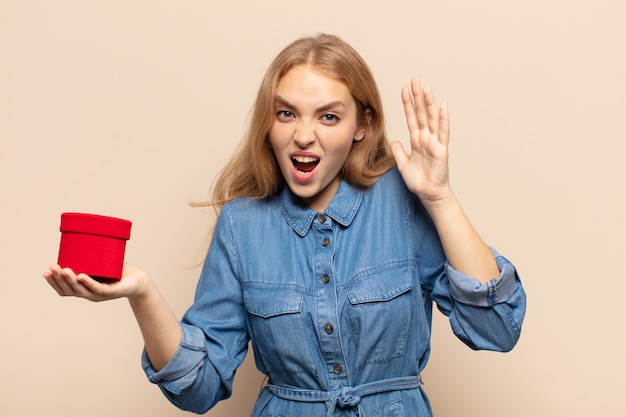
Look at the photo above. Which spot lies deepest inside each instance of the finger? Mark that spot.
(73, 284)
(60, 279)
(51, 280)
(444, 125)
(69, 276)
(91, 287)
(409, 111)
(432, 110)
(420, 105)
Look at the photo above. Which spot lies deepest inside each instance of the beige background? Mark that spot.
(130, 108)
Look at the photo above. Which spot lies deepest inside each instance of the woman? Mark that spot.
(329, 250)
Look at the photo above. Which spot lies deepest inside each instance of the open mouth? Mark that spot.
(304, 164)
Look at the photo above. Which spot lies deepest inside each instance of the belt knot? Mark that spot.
(345, 397)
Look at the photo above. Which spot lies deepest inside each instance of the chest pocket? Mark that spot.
(380, 311)
(278, 330)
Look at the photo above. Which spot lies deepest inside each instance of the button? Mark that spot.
(326, 241)
(337, 369)
(329, 328)
(325, 279)
(321, 219)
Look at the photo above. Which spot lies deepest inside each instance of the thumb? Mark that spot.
(398, 153)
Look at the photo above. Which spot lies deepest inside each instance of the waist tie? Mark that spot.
(345, 396)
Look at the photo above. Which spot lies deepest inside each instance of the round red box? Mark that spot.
(93, 244)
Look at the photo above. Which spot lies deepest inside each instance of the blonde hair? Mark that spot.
(253, 170)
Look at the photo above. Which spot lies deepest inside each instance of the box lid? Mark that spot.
(95, 224)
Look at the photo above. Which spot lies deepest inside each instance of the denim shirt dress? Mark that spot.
(337, 306)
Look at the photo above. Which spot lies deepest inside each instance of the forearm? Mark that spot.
(159, 326)
(465, 250)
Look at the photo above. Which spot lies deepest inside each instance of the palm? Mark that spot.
(425, 168)
(66, 283)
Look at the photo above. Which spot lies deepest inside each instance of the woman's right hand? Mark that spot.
(134, 284)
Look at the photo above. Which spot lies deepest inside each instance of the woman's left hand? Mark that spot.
(425, 168)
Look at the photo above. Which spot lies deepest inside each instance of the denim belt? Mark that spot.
(345, 397)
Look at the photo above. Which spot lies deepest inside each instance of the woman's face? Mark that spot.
(312, 133)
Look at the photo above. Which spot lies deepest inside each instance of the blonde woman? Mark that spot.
(329, 250)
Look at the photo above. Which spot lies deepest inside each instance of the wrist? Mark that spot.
(144, 290)
(441, 200)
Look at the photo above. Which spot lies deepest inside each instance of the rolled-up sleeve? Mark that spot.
(182, 369)
(487, 315)
(215, 337)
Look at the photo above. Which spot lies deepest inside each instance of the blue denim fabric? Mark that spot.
(333, 303)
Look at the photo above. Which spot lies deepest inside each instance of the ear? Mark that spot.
(364, 125)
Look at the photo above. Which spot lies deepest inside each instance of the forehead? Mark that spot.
(311, 85)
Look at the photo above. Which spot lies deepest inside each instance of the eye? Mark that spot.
(330, 118)
(284, 114)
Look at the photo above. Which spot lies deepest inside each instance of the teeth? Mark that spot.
(305, 159)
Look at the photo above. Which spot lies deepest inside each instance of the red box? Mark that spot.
(93, 244)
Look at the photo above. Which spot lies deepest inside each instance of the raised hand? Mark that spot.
(425, 172)
(425, 168)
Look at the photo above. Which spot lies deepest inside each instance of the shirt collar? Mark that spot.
(342, 208)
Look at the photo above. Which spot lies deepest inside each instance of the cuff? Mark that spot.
(181, 371)
(468, 290)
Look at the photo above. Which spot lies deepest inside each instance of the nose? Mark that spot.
(304, 133)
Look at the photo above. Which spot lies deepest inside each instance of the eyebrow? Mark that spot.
(325, 107)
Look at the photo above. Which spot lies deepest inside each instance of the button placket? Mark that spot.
(323, 230)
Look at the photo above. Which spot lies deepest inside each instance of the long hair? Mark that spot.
(253, 170)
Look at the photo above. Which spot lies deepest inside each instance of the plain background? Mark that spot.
(129, 109)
